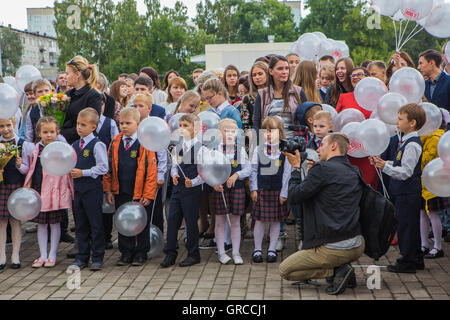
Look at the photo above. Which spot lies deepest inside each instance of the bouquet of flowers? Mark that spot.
(6, 153)
(55, 105)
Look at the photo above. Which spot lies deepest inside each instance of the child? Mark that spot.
(56, 192)
(326, 77)
(92, 163)
(40, 87)
(233, 191)
(322, 125)
(188, 103)
(305, 116)
(144, 84)
(131, 177)
(186, 194)
(12, 180)
(406, 187)
(106, 132)
(269, 187)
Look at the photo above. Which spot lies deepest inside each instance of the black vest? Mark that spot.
(11, 175)
(188, 164)
(105, 132)
(413, 184)
(36, 179)
(270, 171)
(35, 115)
(127, 167)
(235, 167)
(86, 160)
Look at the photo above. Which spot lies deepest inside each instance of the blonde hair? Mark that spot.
(330, 69)
(102, 82)
(88, 71)
(89, 113)
(324, 115)
(305, 77)
(146, 98)
(178, 81)
(130, 112)
(274, 122)
(216, 86)
(40, 83)
(188, 95)
(191, 118)
(227, 123)
(45, 120)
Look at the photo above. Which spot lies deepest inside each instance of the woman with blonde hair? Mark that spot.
(306, 78)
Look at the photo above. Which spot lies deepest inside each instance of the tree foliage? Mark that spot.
(11, 52)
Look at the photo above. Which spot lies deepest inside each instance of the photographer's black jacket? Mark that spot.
(330, 195)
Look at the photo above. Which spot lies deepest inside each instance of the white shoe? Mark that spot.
(224, 258)
(238, 259)
(281, 241)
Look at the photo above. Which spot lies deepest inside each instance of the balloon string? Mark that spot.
(404, 31)
(153, 208)
(407, 37)
(224, 201)
(399, 32)
(395, 32)
(386, 194)
(411, 35)
(178, 165)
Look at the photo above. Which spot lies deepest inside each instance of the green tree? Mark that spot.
(11, 51)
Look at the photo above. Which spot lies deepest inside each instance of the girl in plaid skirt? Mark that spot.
(233, 191)
(56, 192)
(12, 180)
(269, 180)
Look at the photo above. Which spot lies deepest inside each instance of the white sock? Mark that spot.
(219, 231)
(274, 233)
(42, 235)
(54, 239)
(258, 235)
(436, 225)
(16, 235)
(227, 231)
(235, 222)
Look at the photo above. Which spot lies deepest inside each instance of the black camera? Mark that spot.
(292, 144)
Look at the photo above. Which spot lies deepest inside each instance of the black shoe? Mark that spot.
(208, 235)
(189, 261)
(15, 266)
(342, 277)
(351, 282)
(258, 258)
(108, 245)
(123, 261)
(438, 254)
(208, 245)
(290, 222)
(270, 257)
(65, 237)
(2, 266)
(72, 229)
(447, 237)
(402, 268)
(138, 261)
(168, 261)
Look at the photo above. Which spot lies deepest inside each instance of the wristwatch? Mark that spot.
(299, 169)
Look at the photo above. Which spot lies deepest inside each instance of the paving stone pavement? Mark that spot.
(209, 280)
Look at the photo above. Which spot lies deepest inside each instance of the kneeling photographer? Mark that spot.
(330, 195)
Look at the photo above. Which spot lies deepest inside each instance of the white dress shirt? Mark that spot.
(255, 165)
(114, 130)
(133, 139)
(187, 145)
(101, 158)
(246, 167)
(29, 134)
(409, 161)
(162, 164)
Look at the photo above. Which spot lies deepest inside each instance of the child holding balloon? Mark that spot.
(405, 186)
(56, 191)
(12, 179)
(269, 187)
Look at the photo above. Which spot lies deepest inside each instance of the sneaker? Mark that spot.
(228, 247)
(238, 259)
(31, 229)
(281, 241)
(208, 245)
(224, 258)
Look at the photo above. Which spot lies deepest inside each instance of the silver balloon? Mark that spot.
(174, 124)
(444, 148)
(130, 219)
(24, 204)
(356, 148)
(27, 74)
(332, 111)
(214, 168)
(156, 241)
(154, 134)
(434, 119)
(347, 116)
(326, 48)
(58, 158)
(369, 91)
(409, 83)
(447, 51)
(436, 178)
(392, 128)
(374, 137)
(106, 207)
(437, 22)
(319, 35)
(389, 105)
(308, 46)
(341, 50)
(416, 9)
(386, 7)
(9, 101)
(13, 83)
(209, 132)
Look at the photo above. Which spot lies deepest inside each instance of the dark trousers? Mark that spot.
(158, 216)
(108, 225)
(65, 223)
(187, 208)
(137, 246)
(89, 225)
(408, 210)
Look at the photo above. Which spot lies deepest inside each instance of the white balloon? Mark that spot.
(9, 101)
(398, 16)
(447, 51)
(156, 241)
(130, 219)
(409, 83)
(369, 91)
(293, 48)
(154, 134)
(436, 178)
(326, 48)
(434, 119)
(388, 107)
(308, 47)
(330, 109)
(386, 7)
(341, 50)
(444, 148)
(58, 158)
(13, 83)
(437, 22)
(416, 9)
(319, 35)
(27, 74)
(215, 168)
(347, 116)
(374, 137)
(356, 148)
(392, 128)
(24, 204)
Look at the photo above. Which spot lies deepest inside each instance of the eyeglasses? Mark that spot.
(357, 75)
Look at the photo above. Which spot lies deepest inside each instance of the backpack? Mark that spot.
(378, 221)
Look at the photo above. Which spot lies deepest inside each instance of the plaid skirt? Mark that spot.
(5, 192)
(437, 204)
(50, 217)
(235, 199)
(268, 207)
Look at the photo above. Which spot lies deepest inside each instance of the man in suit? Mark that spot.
(145, 84)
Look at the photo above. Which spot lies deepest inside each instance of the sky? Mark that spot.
(16, 12)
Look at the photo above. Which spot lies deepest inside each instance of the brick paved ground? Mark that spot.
(209, 279)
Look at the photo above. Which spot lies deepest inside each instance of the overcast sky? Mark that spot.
(15, 13)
